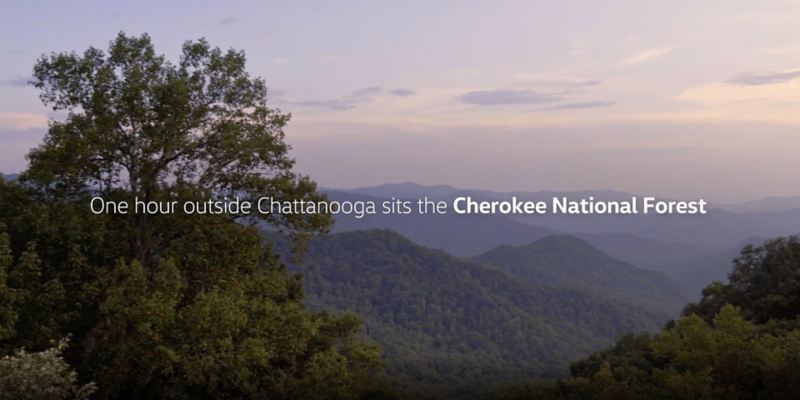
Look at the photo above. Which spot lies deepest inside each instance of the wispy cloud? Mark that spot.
(355, 97)
(22, 121)
(557, 81)
(507, 97)
(644, 57)
(765, 78)
(14, 82)
(581, 105)
(402, 92)
(227, 21)
(365, 92)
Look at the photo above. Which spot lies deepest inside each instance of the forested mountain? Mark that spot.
(444, 322)
(642, 252)
(567, 261)
(740, 341)
(692, 250)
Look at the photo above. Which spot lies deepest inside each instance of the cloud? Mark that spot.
(355, 97)
(365, 92)
(507, 97)
(22, 121)
(333, 104)
(582, 105)
(768, 97)
(227, 21)
(562, 82)
(15, 82)
(402, 92)
(767, 78)
(644, 57)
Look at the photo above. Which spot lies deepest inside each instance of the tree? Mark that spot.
(741, 341)
(168, 305)
(41, 376)
(8, 314)
(141, 127)
(764, 283)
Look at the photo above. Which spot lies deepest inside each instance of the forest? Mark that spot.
(272, 305)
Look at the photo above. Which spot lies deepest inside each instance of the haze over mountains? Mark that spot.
(567, 261)
(507, 299)
(692, 250)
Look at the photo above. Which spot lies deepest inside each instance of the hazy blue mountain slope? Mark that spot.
(457, 234)
(720, 228)
(567, 261)
(695, 274)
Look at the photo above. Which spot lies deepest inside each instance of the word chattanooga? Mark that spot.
(359, 209)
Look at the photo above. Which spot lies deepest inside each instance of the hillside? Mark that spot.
(567, 261)
(443, 322)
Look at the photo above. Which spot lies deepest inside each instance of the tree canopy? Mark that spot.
(740, 341)
(166, 306)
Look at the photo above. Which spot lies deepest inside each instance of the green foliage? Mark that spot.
(8, 310)
(166, 306)
(41, 376)
(764, 284)
(748, 350)
(450, 326)
(142, 127)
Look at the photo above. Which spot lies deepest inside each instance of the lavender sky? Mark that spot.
(681, 99)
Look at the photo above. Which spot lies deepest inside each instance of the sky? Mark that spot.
(682, 99)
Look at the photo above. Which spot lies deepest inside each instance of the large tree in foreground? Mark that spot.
(166, 306)
(143, 127)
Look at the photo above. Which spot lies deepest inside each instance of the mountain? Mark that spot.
(404, 190)
(470, 235)
(460, 235)
(567, 261)
(413, 190)
(719, 228)
(692, 250)
(9, 177)
(666, 257)
(446, 323)
(767, 204)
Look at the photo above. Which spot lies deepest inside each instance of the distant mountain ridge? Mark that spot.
(767, 204)
(567, 261)
(663, 243)
(457, 234)
(411, 189)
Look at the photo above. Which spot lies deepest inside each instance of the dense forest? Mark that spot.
(138, 305)
(457, 325)
(740, 341)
